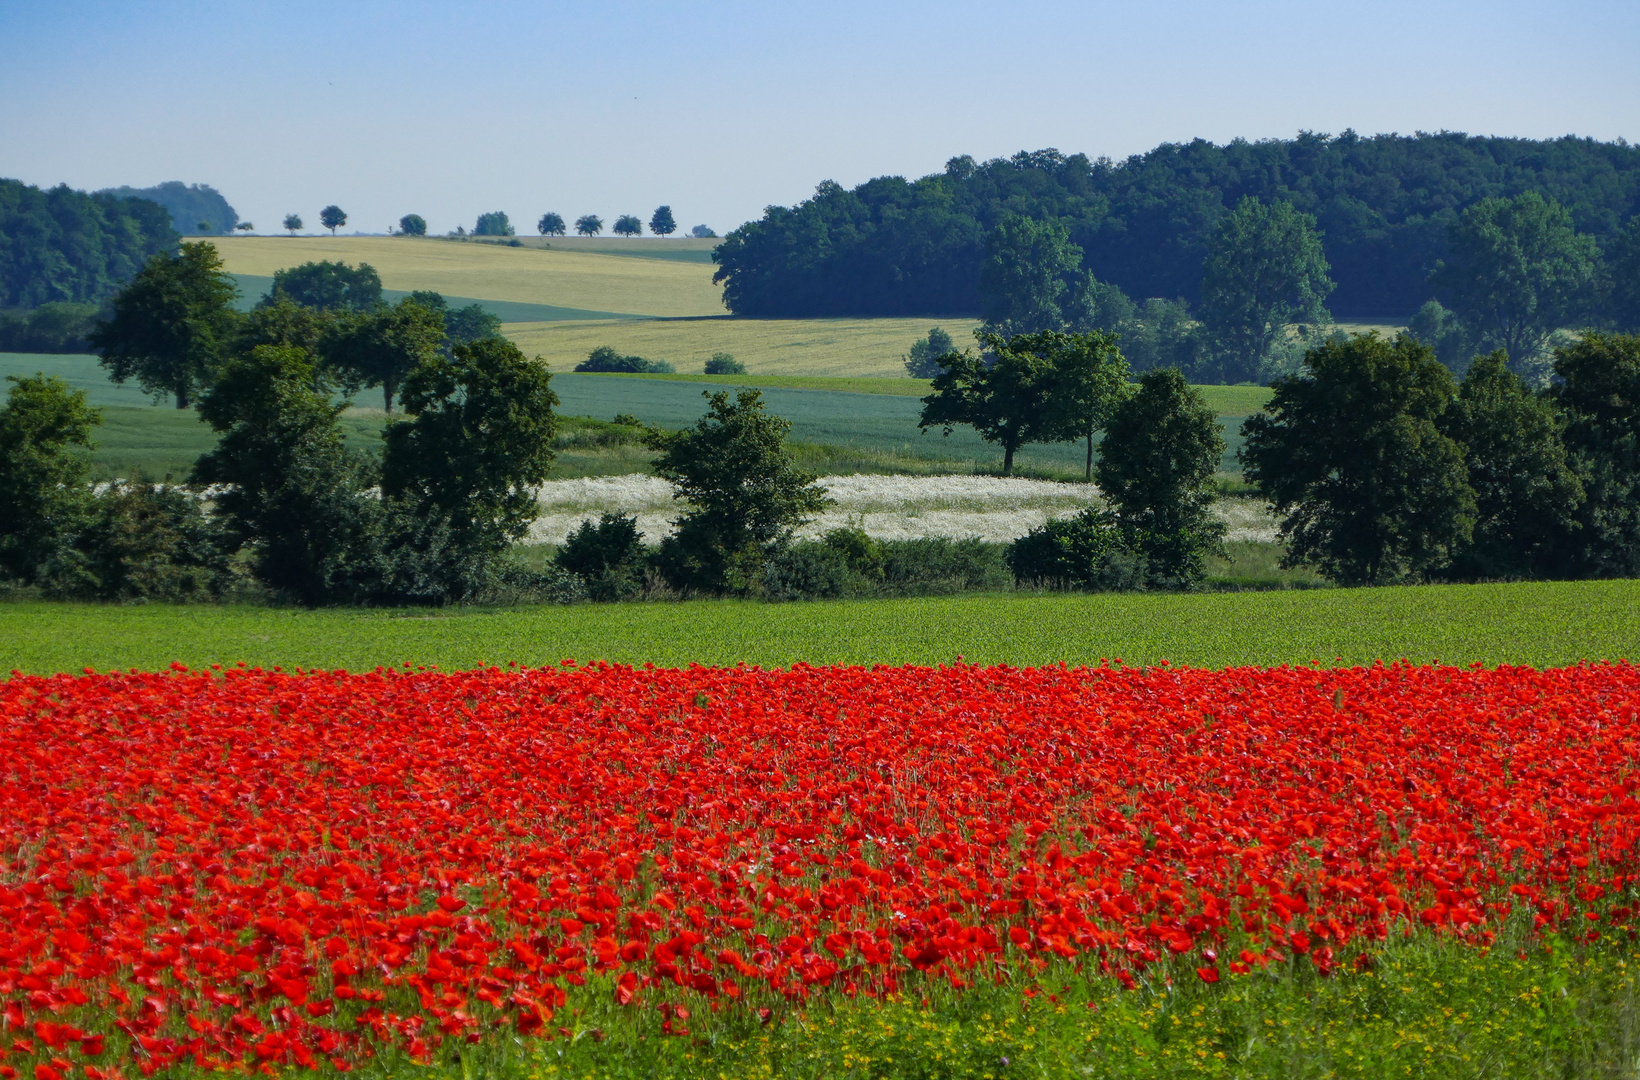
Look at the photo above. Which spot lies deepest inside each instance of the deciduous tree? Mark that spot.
(333, 217)
(382, 347)
(628, 225)
(494, 223)
(589, 224)
(292, 223)
(923, 362)
(551, 224)
(169, 326)
(1597, 386)
(1032, 278)
(45, 436)
(413, 225)
(1008, 402)
(1264, 272)
(661, 223)
(1351, 455)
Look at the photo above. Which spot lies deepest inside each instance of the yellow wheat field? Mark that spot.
(858, 348)
(530, 274)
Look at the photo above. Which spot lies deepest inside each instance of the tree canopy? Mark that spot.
(1009, 401)
(413, 225)
(494, 223)
(194, 208)
(589, 224)
(333, 286)
(59, 245)
(551, 224)
(1032, 278)
(333, 217)
(169, 327)
(662, 223)
(291, 223)
(628, 225)
(1383, 206)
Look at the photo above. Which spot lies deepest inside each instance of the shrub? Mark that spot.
(608, 556)
(147, 541)
(49, 328)
(723, 363)
(604, 358)
(1087, 551)
(936, 565)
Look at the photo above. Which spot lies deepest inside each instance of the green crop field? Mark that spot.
(529, 275)
(1540, 624)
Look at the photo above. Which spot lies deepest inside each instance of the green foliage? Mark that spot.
(169, 327)
(743, 492)
(465, 325)
(923, 362)
(1519, 271)
(1264, 270)
(628, 225)
(551, 224)
(848, 563)
(1032, 278)
(662, 223)
(608, 555)
(381, 347)
(1350, 454)
(589, 225)
(1161, 448)
(332, 217)
(192, 207)
(1383, 205)
(412, 225)
(1162, 334)
(64, 246)
(291, 223)
(703, 232)
(1444, 332)
(1527, 494)
(285, 322)
(1621, 284)
(606, 359)
(1046, 386)
(723, 363)
(291, 491)
(465, 466)
(146, 541)
(329, 285)
(1088, 551)
(45, 430)
(1597, 386)
(50, 328)
(494, 223)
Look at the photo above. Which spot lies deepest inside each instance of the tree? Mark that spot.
(1090, 379)
(1350, 454)
(1597, 387)
(477, 444)
(1527, 494)
(608, 555)
(1162, 334)
(551, 224)
(1444, 332)
(494, 223)
(606, 359)
(1265, 270)
(413, 225)
(334, 286)
(661, 223)
(289, 488)
(285, 322)
(1519, 271)
(703, 232)
(292, 223)
(332, 217)
(923, 362)
(1008, 402)
(475, 322)
(744, 492)
(723, 363)
(589, 225)
(245, 227)
(45, 433)
(1032, 277)
(1622, 284)
(382, 347)
(168, 327)
(1161, 448)
(628, 225)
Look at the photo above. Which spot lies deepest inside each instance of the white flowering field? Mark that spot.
(887, 507)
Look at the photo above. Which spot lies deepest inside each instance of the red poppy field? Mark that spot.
(266, 870)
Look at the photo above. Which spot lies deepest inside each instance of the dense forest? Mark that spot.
(196, 209)
(65, 246)
(1385, 206)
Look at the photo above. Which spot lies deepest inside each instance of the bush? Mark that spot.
(935, 566)
(724, 364)
(494, 223)
(147, 541)
(604, 358)
(848, 563)
(608, 557)
(811, 570)
(1087, 551)
(49, 328)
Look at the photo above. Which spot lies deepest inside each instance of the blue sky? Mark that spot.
(720, 109)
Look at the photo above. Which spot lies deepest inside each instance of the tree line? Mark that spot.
(65, 246)
(496, 223)
(1384, 209)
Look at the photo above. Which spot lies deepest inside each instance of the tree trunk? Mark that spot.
(182, 396)
(387, 397)
(1007, 459)
(1087, 477)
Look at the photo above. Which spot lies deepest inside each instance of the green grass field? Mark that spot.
(1540, 624)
